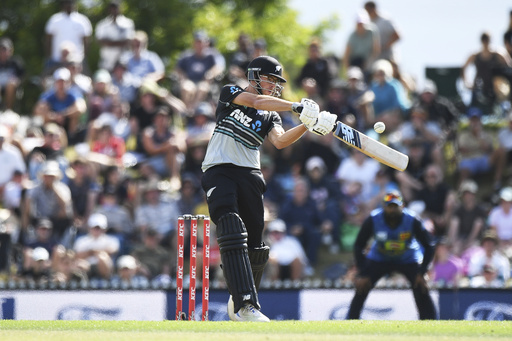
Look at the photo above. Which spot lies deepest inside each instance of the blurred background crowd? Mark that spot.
(96, 172)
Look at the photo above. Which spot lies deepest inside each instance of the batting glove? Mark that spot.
(309, 113)
(325, 123)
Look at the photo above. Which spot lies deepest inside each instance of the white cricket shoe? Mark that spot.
(248, 313)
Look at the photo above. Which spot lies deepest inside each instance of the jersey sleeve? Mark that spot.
(229, 93)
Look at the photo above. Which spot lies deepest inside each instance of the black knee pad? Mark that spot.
(258, 256)
(236, 266)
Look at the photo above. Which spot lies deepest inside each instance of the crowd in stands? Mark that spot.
(94, 178)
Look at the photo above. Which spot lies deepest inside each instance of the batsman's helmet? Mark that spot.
(267, 66)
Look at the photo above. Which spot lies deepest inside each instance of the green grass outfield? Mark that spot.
(275, 330)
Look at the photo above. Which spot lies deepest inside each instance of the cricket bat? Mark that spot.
(372, 148)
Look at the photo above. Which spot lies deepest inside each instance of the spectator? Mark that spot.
(160, 146)
(440, 109)
(197, 71)
(411, 180)
(489, 259)
(61, 105)
(190, 195)
(358, 168)
(10, 157)
(439, 199)
(275, 194)
(324, 191)
(486, 62)
(126, 83)
(80, 82)
(114, 34)
(67, 268)
(505, 142)
(477, 152)
(43, 238)
(127, 273)
(142, 63)
(303, 219)
(67, 26)
(14, 192)
(500, 218)
(388, 104)
(420, 129)
(117, 181)
(240, 60)
(51, 198)
(388, 32)
(317, 68)
(156, 211)
(363, 46)
(360, 98)
(108, 145)
(97, 247)
(154, 260)
(53, 147)
(12, 71)
(447, 268)
(37, 265)
(118, 217)
(103, 95)
(468, 220)
(287, 259)
(84, 190)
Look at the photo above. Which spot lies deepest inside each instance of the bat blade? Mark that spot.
(372, 148)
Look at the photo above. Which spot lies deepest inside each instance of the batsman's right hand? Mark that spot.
(310, 112)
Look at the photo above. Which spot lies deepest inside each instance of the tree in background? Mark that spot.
(169, 25)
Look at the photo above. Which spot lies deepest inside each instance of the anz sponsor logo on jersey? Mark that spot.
(241, 117)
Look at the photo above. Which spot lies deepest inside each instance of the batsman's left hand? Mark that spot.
(325, 123)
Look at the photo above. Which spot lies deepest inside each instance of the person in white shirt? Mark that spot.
(489, 259)
(11, 158)
(114, 34)
(97, 248)
(500, 217)
(67, 25)
(358, 168)
(287, 259)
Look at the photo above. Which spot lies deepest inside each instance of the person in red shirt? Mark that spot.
(108, 144)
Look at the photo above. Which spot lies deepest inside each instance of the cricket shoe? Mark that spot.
(248, 313)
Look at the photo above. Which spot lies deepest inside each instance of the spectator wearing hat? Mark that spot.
(287, 259)
(154, 260)
(68, 25)
(324, 191)
(37, 265)
(468, 220)
(157, 211)
(500, 217)
(50, 198)
(103, 95)
(477, 152)
(43, 237)
(12, 71)
(127, 273)
(60, 104)
(97, 247)
(197, 71)
(489, 259)
(141, 62)
(440, 110)
(114, 34)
